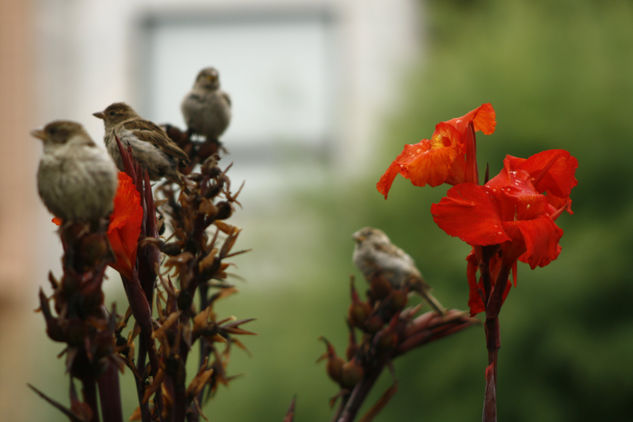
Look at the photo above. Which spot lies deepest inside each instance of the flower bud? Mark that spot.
(171, 248)
(351, 374)
(224, 210)
(393, 304)
(373, 324)
(379, 287)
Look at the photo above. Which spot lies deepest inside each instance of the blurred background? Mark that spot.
(325, 94)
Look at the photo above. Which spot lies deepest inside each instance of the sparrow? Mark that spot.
(76, 179)
(375, 255)
(151, 147)
(206, 108)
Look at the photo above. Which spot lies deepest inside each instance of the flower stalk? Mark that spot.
(389, 330)
(509, 218)
(161, 279)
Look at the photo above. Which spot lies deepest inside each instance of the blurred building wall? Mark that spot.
(18, 205)
(91, 53)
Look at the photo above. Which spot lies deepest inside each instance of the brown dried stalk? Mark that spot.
(166, 273)
(79, 319)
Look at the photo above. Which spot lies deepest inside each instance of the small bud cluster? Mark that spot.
(79, 319)
(387, 329)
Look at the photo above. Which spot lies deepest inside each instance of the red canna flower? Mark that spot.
(448, 157)
(515, 211)
(125, 225)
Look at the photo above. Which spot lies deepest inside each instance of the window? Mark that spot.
(279, 69)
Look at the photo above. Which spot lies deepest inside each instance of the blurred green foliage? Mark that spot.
(560, 75)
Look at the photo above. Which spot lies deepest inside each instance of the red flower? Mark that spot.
(125, 225)
(515, 210)
(448, 157)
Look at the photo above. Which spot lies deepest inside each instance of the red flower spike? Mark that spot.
(515, 210)
(448, 157)
(125, 225)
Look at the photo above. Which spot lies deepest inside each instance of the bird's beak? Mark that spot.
(39, 134)
(99, 115)
(358, 237)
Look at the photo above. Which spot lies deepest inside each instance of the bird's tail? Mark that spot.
(422, 287)
(435, 304)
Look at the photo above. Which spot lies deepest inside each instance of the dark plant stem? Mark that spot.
(142, 314)
(484, 268)
(177, 373)
(493, 342)
(89, 393)
(490, 396)
(110, 395)
(203, 290)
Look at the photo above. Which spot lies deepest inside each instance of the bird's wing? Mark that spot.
(383, 247)
(227, 97)
(398, 259)
(403, 255)
(150, 132)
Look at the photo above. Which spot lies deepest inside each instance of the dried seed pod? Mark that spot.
(171, 248)
(224, 210)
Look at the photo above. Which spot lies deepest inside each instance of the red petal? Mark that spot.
(443, 158)
(541, 237)
(483, 118)
(386, 180)
(125, 224)
(475, 300)
(469, 212)
(427, 162)
(429, 165)
(552, 170)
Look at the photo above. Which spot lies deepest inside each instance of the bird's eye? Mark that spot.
(111, 113)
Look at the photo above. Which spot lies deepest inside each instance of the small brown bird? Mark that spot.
(151, 147)
(76, 179)
(206, 108)
(375, 255)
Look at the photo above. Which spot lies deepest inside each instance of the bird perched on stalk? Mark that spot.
(375, 256)
(206, 108)
(151, 147)
(75, 179)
